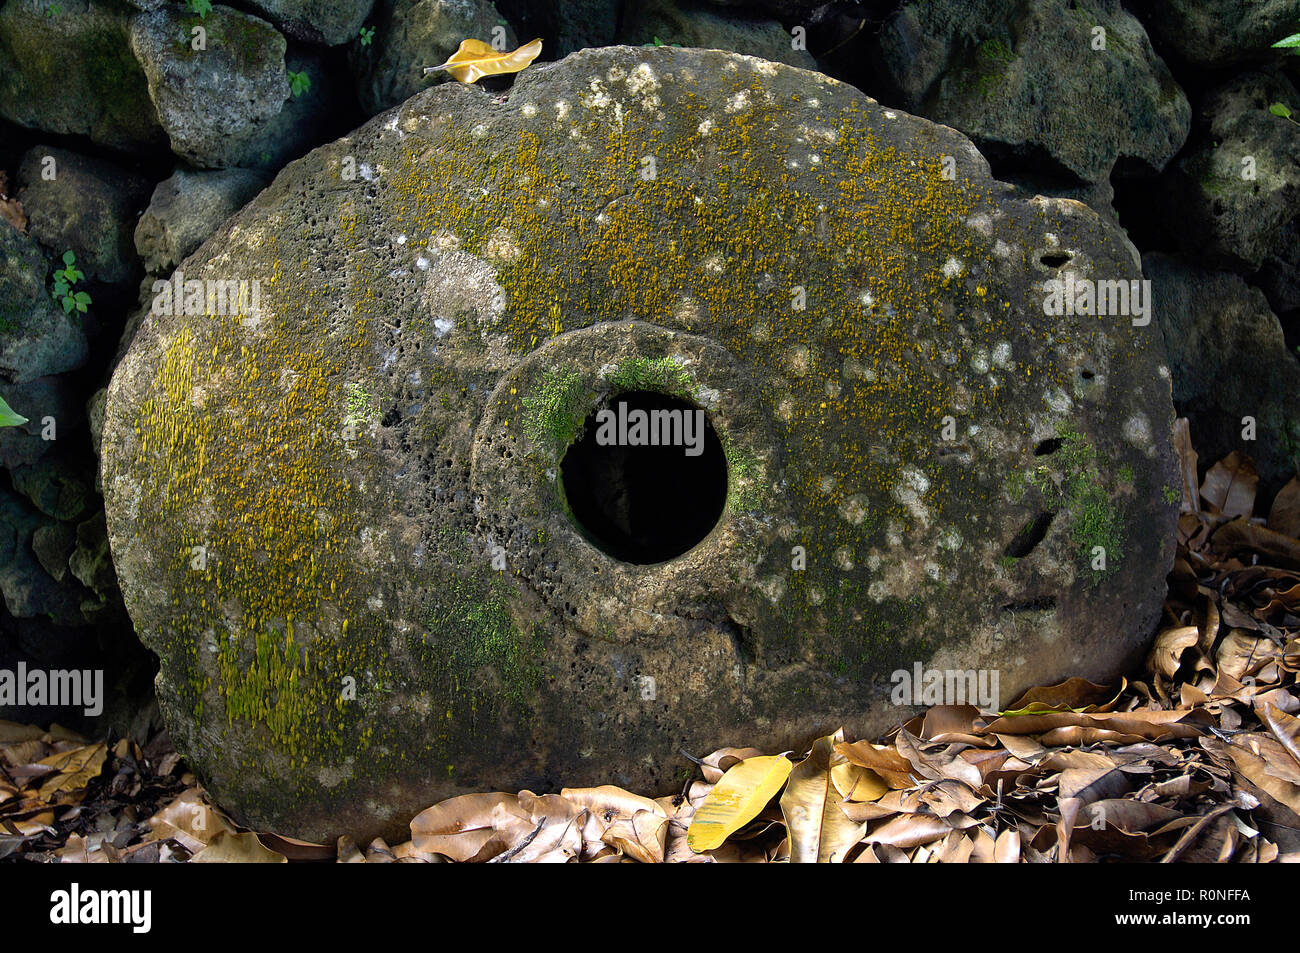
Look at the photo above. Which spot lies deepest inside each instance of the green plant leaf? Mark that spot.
(69, 258)
(8, 418)
(1291, 42)
(1279, 109)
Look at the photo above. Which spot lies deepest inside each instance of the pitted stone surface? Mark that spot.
(310, 507)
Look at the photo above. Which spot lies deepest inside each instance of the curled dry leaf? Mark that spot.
(715, 765)
(1230, 485)
(462, 828)
(1284, 515)
(231, 848)
(475, 59)
(819, 831)
(737, 799)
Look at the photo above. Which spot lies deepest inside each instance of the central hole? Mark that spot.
(638, 501)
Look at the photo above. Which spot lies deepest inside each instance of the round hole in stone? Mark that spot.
(640, 501)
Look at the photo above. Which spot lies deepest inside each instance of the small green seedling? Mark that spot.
(367, 35)
(201, 7)
(8, 417)
(299, 83)
(65, 280)
(659, 42)
(1281, 109)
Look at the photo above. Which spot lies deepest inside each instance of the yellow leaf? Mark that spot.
(820, 831)
(475, 59)
(736, 800)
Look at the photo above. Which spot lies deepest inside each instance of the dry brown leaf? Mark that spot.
(1285, 728)
(231, 848)
(715, 765)
(892, 767)
(462, 828)
(1284, 515)
(1230, 484)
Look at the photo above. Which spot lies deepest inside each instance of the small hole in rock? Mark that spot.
(1030, 535)
(1049, 446)
(1054, 259)
(644, 503)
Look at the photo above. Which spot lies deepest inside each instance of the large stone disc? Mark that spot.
(356, 523)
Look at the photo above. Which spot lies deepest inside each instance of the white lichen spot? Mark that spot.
(1058, 400)
(446, 240)
(1137, 431)
(738, 102)
(951, 539)
(705, 127)
(528, 111)
(854, 509)
(443, 326)
(910, 490)
(878, 591)
(979, 361)
(951, 268)
(890, 114)
(843, 558)
(1002, 355)
(642, 80)
(422, 263)
(501, 246)
(561, 110)
(366, 172)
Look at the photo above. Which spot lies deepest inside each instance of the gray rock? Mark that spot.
(386, 482)
(217, 103)
(57, 484)
(74, 73)
(92, 562)
(89, 206)
(575, 24)
(36, 400)
(36, 337)
(1024, 79)
(1230, 199)
(316, 21)
(186, 209)
(1229, 361)
(53, 543)
(413, 34)
(691, 26)
(1220, 33)
(297, 126)
(29, 591)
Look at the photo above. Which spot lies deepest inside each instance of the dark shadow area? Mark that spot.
(644, 504)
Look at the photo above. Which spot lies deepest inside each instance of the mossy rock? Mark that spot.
(342, 522)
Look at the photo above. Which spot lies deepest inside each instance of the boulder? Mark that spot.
(692, 26)
(992, 70)
(413, 34)
(89, 206)
(1229, 361)
(188, 207)
(215, 103)
(567, 25)
(316, 21)
(36, 337)
(1229, 200)
(371, 531)
(72, 72)
(1221, 33)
